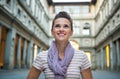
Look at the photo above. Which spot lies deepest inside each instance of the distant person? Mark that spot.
(61, 60)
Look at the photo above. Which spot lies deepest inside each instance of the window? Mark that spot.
(76, 27)
(57, 9)
(33, 5)
(77, 30)
(28, 2)
(8, 2)
(85, 9)
(86, 29)
(19, 12)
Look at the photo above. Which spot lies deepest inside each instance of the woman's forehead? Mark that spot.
(61, 20)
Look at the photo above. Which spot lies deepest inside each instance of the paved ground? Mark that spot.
(22, 74)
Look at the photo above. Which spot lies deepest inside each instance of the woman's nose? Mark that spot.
(61, 28)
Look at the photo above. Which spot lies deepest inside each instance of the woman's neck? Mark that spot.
(61, 48)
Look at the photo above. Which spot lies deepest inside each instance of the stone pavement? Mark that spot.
(16, 74)
(105, 75)
(22, 74)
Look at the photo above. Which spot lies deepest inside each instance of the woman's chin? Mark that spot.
(61, 40)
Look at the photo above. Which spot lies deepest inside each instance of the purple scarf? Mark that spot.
(59, 67)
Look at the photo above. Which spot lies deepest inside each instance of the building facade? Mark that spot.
(25, 28)
(23, 32)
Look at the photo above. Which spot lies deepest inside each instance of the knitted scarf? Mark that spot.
(59, 67)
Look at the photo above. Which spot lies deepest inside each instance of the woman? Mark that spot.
(61, 61)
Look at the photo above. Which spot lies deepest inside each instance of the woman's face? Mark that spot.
(62, 29)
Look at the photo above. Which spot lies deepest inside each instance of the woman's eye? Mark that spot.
(57, 26)
(66, 26)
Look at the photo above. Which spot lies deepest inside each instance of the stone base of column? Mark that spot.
(23, 66)
(7, 66)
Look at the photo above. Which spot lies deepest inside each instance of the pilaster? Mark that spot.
(24, 55)
(9, 49)
(18, 63)
(30, 54)
(118, 54)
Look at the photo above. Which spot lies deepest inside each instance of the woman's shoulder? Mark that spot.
(43, 53)
(80, 52)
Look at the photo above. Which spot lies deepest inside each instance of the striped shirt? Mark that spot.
(78, 64)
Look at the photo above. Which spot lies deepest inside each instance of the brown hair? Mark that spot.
(63, 14)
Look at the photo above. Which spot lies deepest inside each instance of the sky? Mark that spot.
(71, 0)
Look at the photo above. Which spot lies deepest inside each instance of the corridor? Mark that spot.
(25, 31)
(22, 74)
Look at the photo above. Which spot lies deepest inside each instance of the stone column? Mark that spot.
(18, 62)
(102, 59)
(93, 55)
(30, 54)
(9, 49)
(118, 54)
(112, 56)
(24, 55)
(99, 60)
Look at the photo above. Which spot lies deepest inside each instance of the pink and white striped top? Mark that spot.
(78, 64)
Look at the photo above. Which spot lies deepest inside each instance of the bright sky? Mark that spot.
(71, 0)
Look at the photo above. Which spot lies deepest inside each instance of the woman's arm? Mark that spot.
(86, 74)
(33, 73)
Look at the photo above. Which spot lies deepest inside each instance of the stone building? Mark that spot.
(25, 30)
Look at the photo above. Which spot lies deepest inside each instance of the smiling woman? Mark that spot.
(71, 0)
(61, 60)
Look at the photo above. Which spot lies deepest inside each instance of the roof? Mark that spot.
(62, 2)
